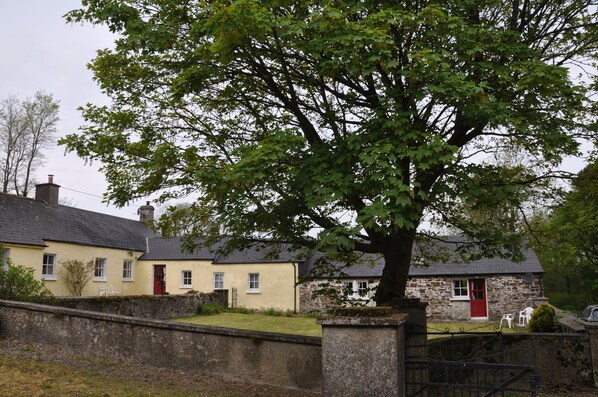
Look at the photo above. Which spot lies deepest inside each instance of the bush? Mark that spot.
(543, 319)
(19, 284)
(77, 274)
(209, 309)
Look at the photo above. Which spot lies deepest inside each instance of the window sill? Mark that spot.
(128, 280)
(257, 291)
(460, 299)
(49, 278)
(186, 286)
(99, 280)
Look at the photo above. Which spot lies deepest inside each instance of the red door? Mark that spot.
(477, 294)
(159, 279)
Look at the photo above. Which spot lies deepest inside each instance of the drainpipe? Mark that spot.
(294, 287)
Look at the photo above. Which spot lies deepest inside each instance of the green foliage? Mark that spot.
(209, 309)
(239, 310)
(543, 319)
(76, 274)
(338, 126)
(567, 244)
(19, 283)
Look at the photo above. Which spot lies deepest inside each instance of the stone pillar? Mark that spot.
(592, 331)
(363, 355)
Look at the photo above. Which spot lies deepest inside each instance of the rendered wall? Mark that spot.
(282, 360)
(277, 281)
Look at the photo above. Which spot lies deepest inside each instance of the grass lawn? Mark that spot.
(298, 325)
(295, 325)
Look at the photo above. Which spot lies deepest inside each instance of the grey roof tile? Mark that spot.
(30, 222)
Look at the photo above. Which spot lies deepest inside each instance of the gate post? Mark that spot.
(592, 331)
(363, 355)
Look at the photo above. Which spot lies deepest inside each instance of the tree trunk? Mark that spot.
(397, 257)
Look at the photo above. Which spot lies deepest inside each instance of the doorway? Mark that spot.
(477, 294)
(159, 279)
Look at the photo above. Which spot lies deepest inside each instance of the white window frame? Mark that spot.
(46, 266)
(253, 283)
(128, 268)
(4, 254)
(99, 269)
(218, 280)
(186, 279)
(355, 287)
(458, 286)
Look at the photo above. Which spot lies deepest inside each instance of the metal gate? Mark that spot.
(464, 364)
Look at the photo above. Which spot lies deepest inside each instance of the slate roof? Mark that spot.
(170, 249)
(30, 222)
(372, 267)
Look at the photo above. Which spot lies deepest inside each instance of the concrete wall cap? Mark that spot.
(393, 320)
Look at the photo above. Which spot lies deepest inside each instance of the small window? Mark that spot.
(99, 273)
(127, 269)
(362, 289)
(254, 282)
(49, 267)
(186, 279)
(460, 290)
(218, 280)
(4, 256)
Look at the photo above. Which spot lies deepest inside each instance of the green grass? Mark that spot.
(295, 325)
(299, 325)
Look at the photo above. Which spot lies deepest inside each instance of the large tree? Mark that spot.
(338, 125)
(567, 243)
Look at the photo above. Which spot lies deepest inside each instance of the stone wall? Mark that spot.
(505, 294)
(258, 357)
(146, 306)
(559, 359)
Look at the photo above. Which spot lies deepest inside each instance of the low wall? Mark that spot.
(146, 306)
(559, 359)
(258, 357)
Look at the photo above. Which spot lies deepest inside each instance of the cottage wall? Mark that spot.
(504, 294)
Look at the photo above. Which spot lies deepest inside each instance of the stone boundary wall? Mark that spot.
(145, 306)
(559, 359)
(259, 357)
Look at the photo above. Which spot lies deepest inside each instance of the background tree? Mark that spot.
(341, 125)
(26, 128)
(76, 274)
(567, 244)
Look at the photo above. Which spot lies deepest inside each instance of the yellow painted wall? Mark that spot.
(277, 281)
(33, 257)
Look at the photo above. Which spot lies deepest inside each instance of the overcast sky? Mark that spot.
(39, 51)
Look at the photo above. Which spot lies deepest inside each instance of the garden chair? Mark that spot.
(525, 315)
(508, 318)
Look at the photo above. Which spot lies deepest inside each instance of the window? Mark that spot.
(254, 282)
(186, 279)
(460, 289)
(127, 269)
(218, 280)
(99, 272)
(4, 254)
(356, 290)
(49, 267)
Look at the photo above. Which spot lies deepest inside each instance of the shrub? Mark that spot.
(241, 310)
(209, 309)
(273, 312)
(543, 319)
(77, 274)
(18, 283)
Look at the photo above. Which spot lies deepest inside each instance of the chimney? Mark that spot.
(47, 192)
(146, 212)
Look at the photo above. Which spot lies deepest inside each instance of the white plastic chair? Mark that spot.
(508, 318)
(525, 315)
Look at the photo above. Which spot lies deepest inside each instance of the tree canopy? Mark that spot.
(343, 126)
(567, 243)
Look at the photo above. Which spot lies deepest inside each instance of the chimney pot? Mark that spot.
(50, 178)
